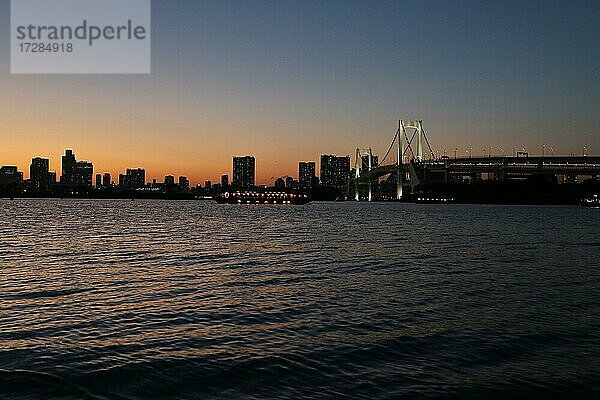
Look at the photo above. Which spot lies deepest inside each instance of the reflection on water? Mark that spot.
(156, 299)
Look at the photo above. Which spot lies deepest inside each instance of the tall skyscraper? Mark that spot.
(244, 170)
(106, 180)
(39, 174)
(335, 172)
(306, 174)
(224, 181)
(98, 181)
(68, 167)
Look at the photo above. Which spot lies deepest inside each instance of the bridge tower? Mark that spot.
(399, 164)
(417, 153)
(415, 146)
(419, 133)
(358, 169)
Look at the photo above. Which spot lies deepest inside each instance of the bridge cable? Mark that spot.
(428, 145)
(409, 142)
(389, 148)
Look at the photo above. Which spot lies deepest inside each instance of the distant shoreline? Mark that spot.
(432, 201)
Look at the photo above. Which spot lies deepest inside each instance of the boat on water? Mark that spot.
(591, 201)
(434, 200)
(250, 197)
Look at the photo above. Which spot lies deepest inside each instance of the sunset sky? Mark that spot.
(287, 81)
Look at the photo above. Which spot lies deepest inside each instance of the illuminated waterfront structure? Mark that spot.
(307, 174)
(335, 172)
(244, 170)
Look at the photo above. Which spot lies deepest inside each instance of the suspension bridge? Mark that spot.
(412, 161)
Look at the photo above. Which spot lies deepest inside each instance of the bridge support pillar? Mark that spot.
(359, 166)
(420, 141)
(401, 133)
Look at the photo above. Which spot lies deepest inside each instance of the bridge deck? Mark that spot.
(568, 165)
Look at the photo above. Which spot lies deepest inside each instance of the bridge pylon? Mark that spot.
(412, 147)
(400, 146)
(419, 136)
(358, 170)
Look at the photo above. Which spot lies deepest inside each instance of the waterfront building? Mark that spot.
(51, 178)
(39, 174)
(280, 184)
(184, 183)
(134, 178)
(306, 174)
(106, 180)
(76, 172)
(289, 182)
(11, 179)
(335, 172)
(83, 173)
(68, 167)
(244, 170)
(169, 180)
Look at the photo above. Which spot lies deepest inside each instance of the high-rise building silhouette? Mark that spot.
(84, 171)
(9, 170)
(106, 180)
(279, 184)
(289, 182)
(335, 172)
(98, 181)
(134, 178)
(68, 167)
(224, 181)
(184, 183)
(207, 185)
(244, 169)
(74, 172)
(39, 174)
(11, 179)
(306, 174)
(169, 180)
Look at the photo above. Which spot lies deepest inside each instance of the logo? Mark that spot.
(80, 37)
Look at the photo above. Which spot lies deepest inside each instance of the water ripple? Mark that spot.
(192, 300)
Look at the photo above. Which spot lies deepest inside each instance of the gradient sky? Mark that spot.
(290, 80)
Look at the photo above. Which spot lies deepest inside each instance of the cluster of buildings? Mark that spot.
(334, 174)
(77, 177)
